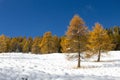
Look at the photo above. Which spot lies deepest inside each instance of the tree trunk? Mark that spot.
(79, 65)
(99, 54)
(79, 60)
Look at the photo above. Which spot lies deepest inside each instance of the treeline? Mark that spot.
(48, 43)
(45, 44)
(37, 45)
(53, 44)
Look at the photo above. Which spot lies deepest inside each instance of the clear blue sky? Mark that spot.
(34, 17)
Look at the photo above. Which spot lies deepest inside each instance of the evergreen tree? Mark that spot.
(99, 40)
(77, 32)
(116, 37)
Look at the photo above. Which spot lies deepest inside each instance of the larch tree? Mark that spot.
(77, 32)
(8, 44)
(66, 45)
(35, 45)
(48, 43)
(13, 45)
(99, 40)
(30, 40)
(56, 47)
(20, 43)
(26, 47)
(27, 44)
(3, 43)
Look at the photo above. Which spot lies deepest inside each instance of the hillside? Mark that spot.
(55, 66)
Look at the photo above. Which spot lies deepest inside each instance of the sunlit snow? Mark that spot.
(55, 66)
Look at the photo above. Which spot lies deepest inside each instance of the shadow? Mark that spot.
(45, 76)
(41, 75)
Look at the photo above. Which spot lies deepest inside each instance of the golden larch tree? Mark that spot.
(27, 45)
(77, 33)
(66, 45)
(49, 43)
(56, 47)
(35, 45)
(3, 43)
(99, 40)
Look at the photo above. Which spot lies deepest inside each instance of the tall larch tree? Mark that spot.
(99, 40)
(77, 32)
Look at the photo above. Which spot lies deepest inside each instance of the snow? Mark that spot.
(55, 66)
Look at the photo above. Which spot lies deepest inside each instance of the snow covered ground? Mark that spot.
(19, 66)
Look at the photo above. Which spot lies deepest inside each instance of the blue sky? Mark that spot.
(35, 17)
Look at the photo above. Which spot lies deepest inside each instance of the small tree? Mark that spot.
(99, 40)
(77, 32)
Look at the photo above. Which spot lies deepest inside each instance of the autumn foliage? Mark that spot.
(77, 36)
(99, 40)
